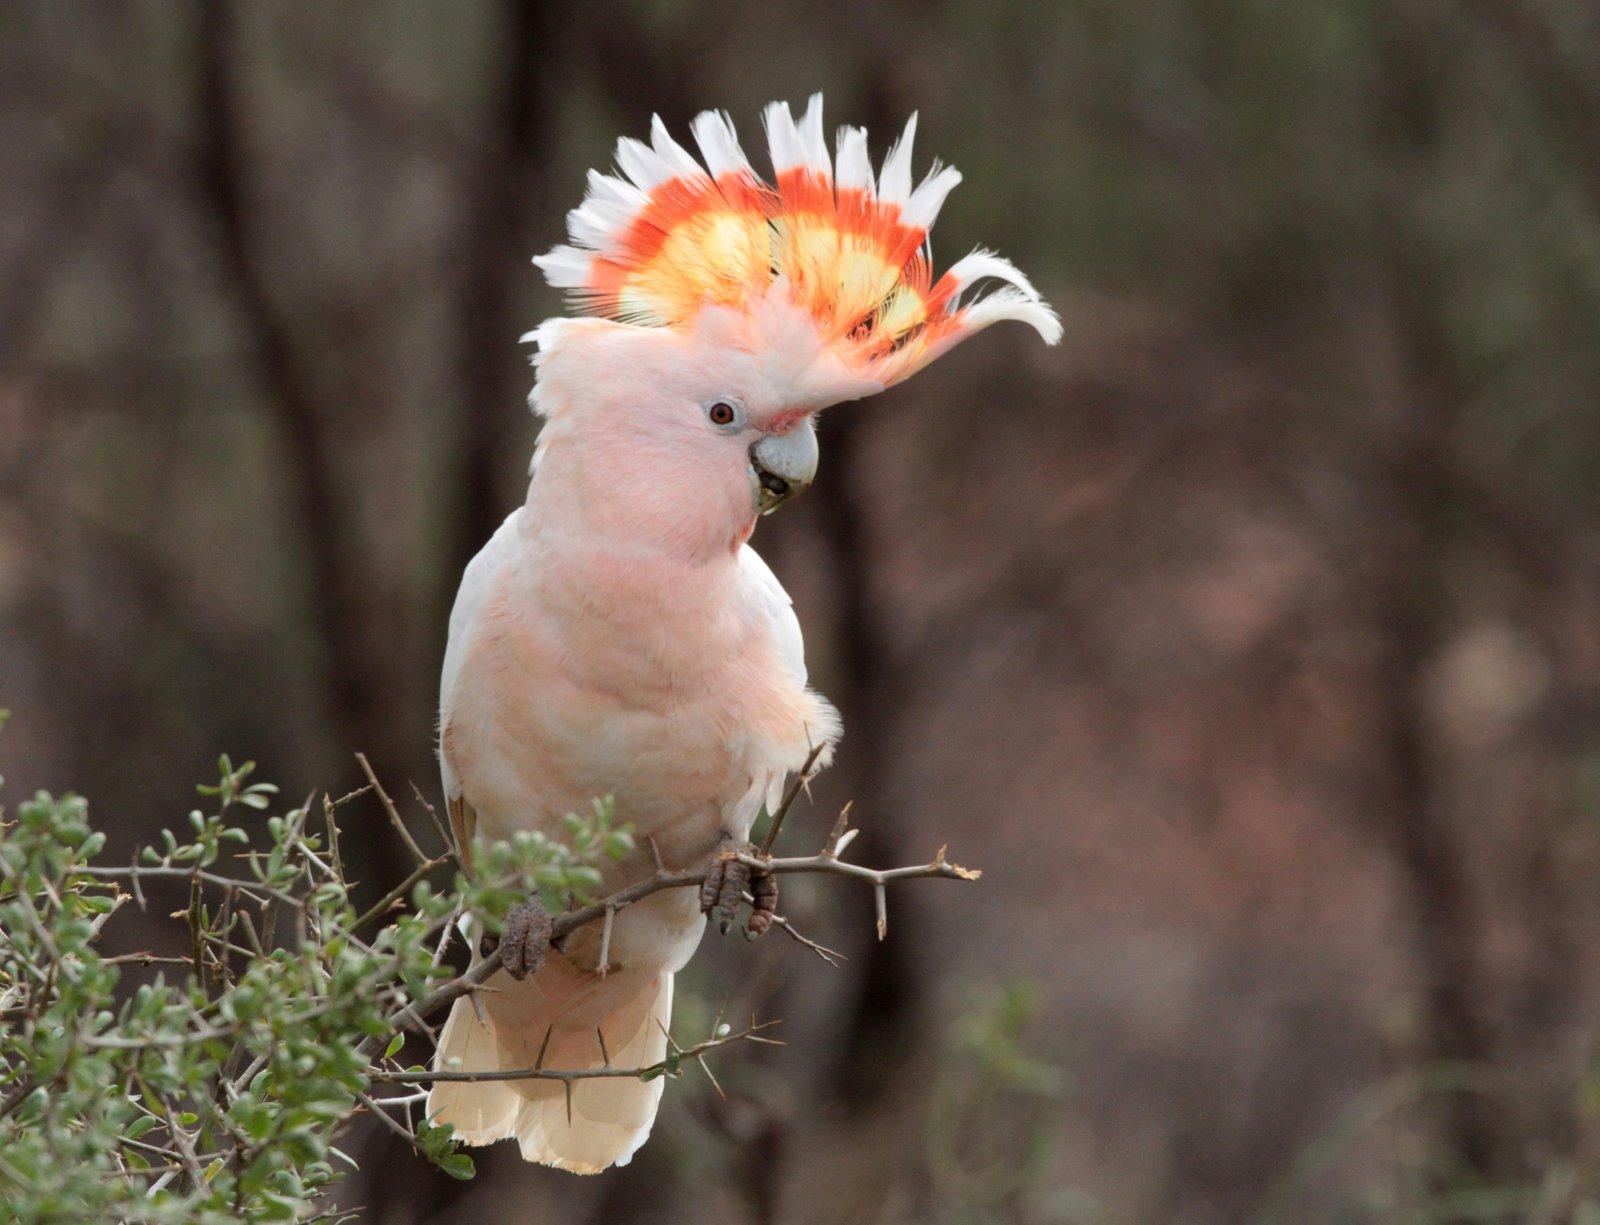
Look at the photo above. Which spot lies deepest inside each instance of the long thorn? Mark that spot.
(706, 1068)
(605, 942)
(839, 827)
(795, 785)
(544, 1046)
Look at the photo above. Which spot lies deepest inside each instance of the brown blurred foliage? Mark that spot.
(1249, 640)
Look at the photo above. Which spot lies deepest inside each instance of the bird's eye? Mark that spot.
(720, 412)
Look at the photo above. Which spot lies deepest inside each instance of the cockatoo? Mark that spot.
(617, 635)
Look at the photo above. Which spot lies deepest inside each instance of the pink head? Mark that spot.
(724, 313)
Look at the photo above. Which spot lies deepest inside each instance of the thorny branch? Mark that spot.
(824, 863)
(233, 915)
(751, 1033)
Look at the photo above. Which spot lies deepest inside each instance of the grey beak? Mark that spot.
(784, 464)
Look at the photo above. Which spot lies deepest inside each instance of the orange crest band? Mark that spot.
(668, 236)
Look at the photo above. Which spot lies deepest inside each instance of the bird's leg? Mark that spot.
(525, 938)
(764, 888)
(728, 879)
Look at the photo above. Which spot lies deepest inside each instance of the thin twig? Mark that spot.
(828, 866)
(568, 1075)
(433, 815)
(403, 1099)
(331, 820)
(133, 875)
(569, 922)
(832, 956)
(185, 1145)
(173, 871)
(144, 959)
(381, 907)
(376, 1110)
(348, 796)
(795, 785)
(390, 810)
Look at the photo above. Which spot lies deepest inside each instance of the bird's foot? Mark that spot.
(524, 940)
(729, 879)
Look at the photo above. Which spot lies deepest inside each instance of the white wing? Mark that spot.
(774, 601)
(475, 586)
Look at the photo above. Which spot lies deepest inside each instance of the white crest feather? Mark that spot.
(853, 170)
(642, 164)
(1017, 299)
(813, 143)
(981, 264)
(607, 209)
(719, 144)
(679, 161)
(783, 138)
(1008, 303)
(737, 246)
(922, 209)
(564, 266)
(894, 183)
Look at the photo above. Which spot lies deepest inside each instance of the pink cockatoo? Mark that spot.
(618, 636)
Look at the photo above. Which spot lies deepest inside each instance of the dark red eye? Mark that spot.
(721, 413)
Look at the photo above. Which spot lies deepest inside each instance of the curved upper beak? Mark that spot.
(784, 465)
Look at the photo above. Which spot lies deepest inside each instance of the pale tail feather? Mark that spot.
(611, 1117)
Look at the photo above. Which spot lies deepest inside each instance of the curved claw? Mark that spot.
(727, 881)
(526, 937)
(764, 888)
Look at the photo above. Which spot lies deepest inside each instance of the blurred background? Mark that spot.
(1249, 641)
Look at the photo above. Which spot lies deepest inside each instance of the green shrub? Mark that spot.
(219, 1090)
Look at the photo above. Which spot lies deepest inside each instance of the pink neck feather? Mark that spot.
(605, 485)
